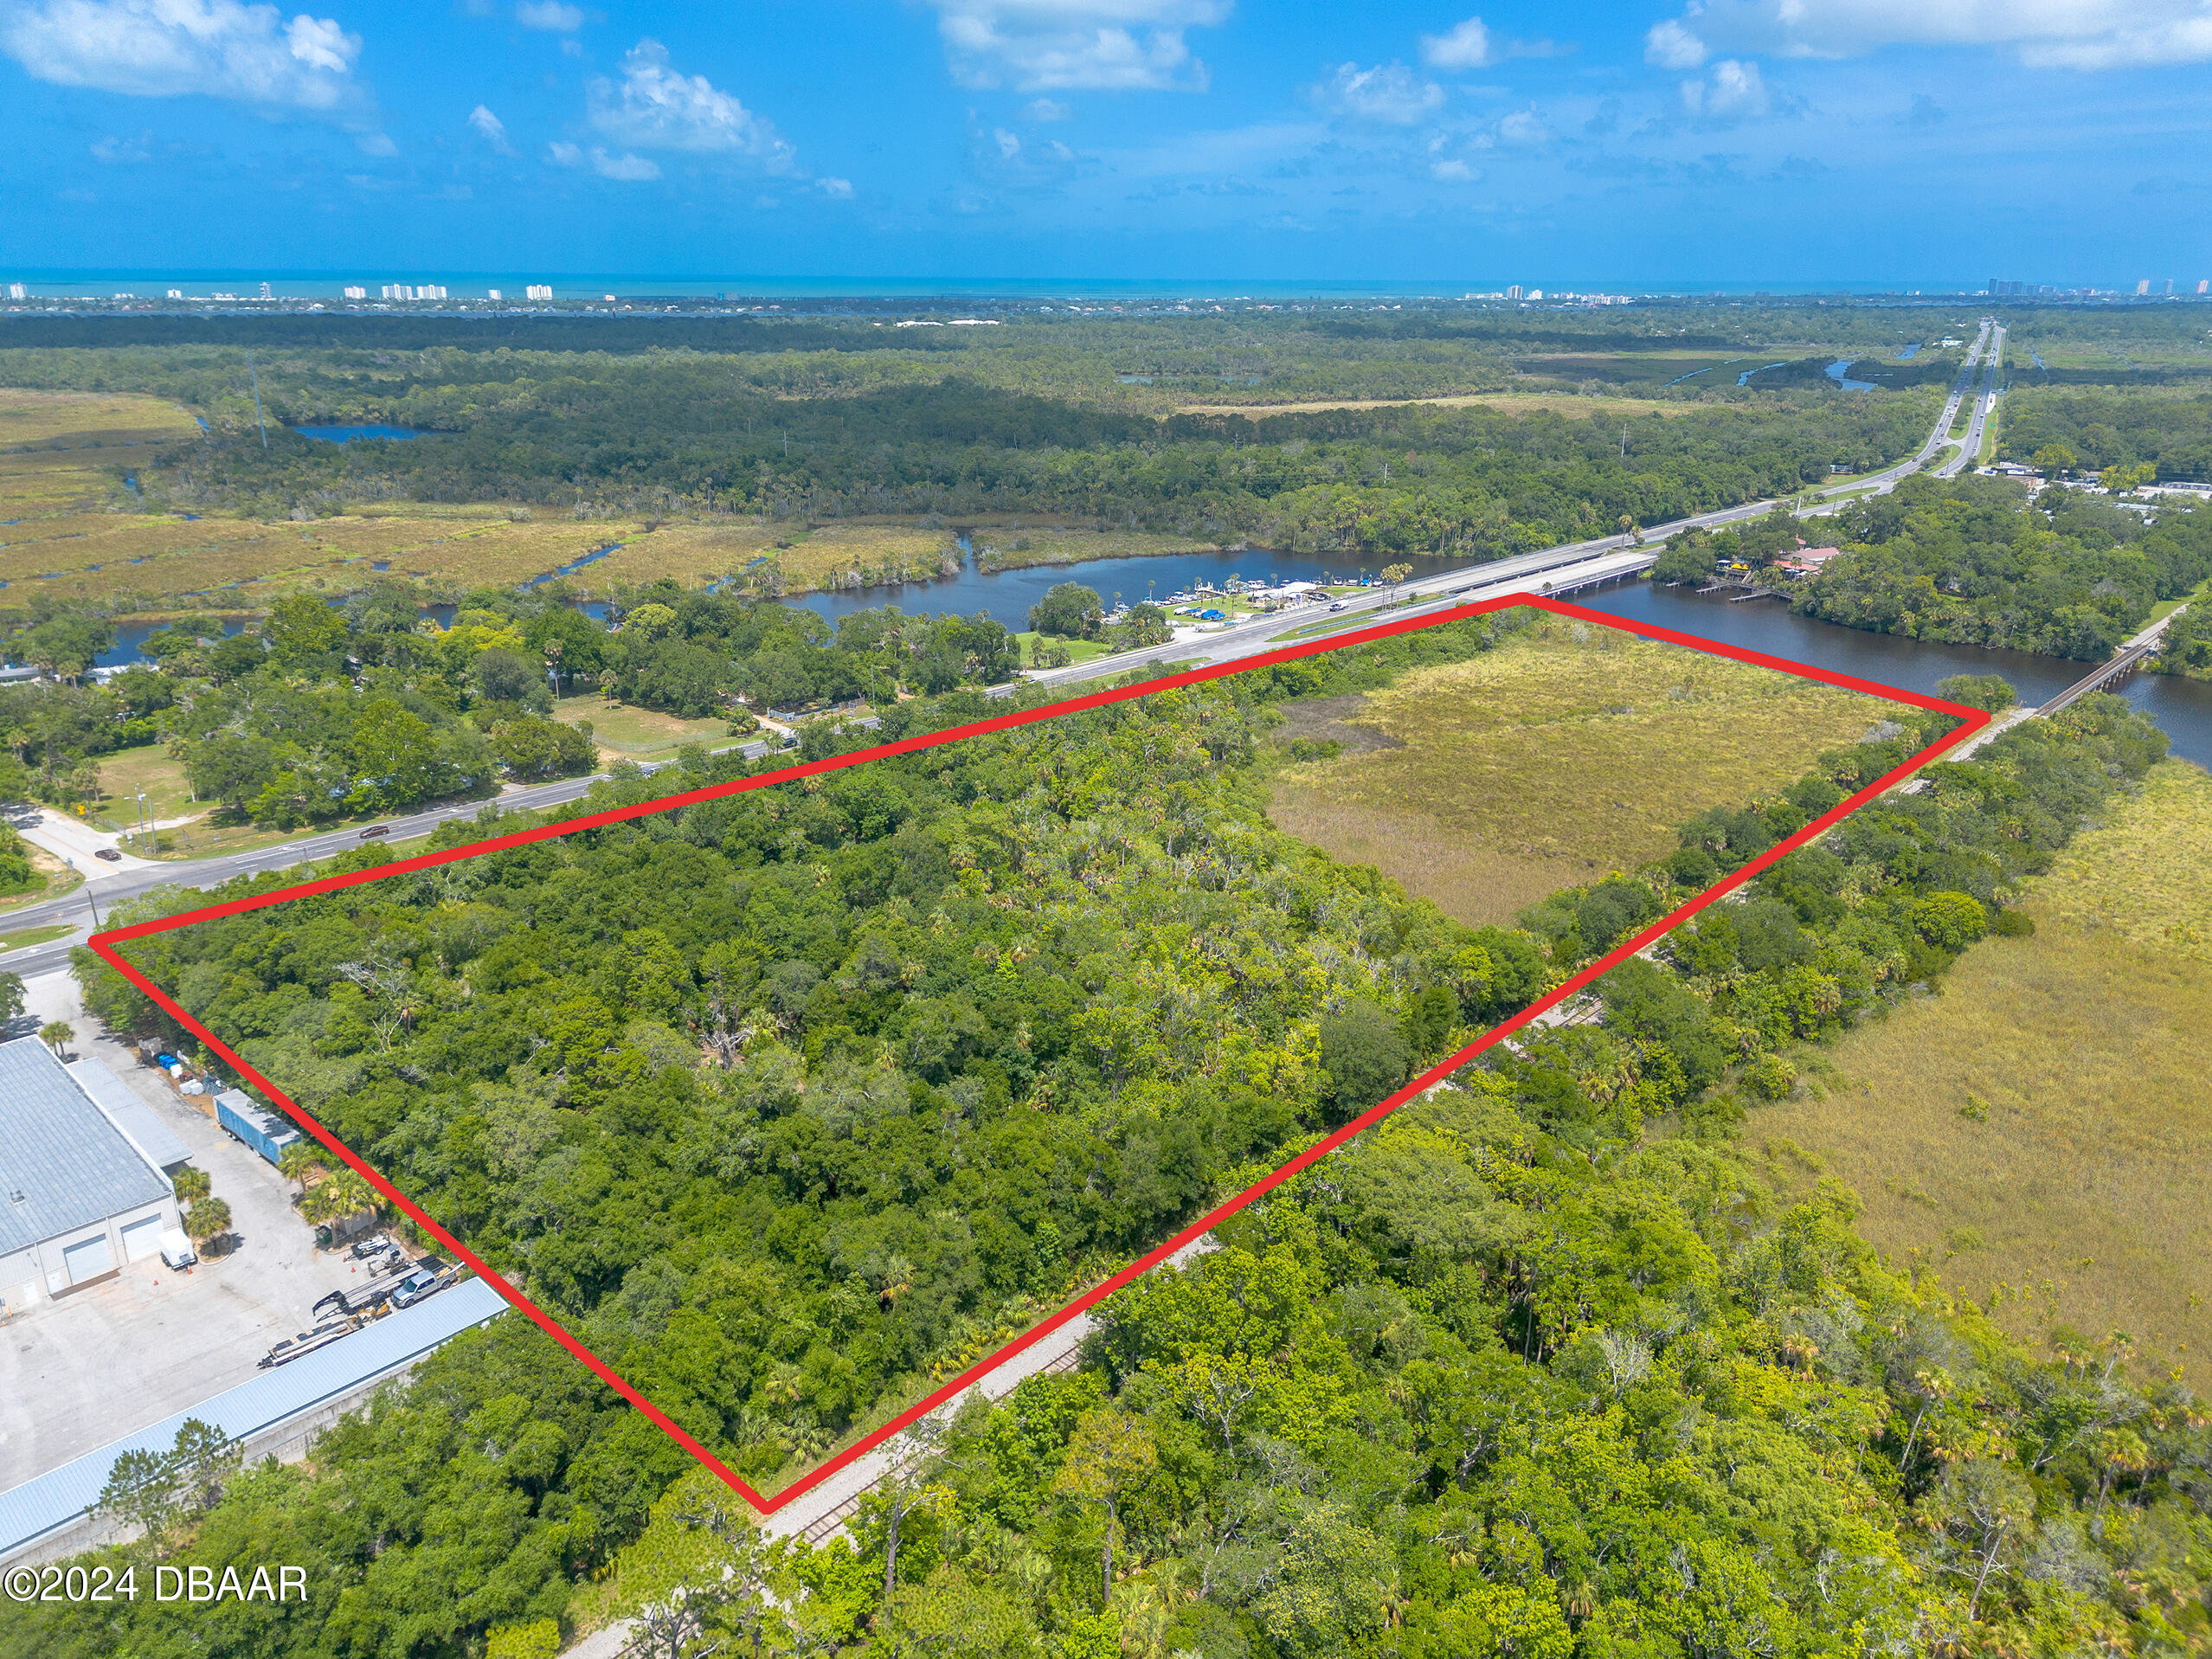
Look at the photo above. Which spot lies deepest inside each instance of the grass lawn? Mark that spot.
(1569, 751)
(623, 733)
(153, 769)
(1078, 650)
(2168, 606)
(35, 935)
(2043, 1126)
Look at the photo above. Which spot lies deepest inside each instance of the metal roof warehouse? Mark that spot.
(84, 1186)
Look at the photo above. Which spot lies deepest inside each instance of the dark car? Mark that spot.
(374, 830)
(107, 853)
(375, 1244)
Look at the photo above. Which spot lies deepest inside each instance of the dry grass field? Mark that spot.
(58, 534)
(1568, 752)
(2040, 1130)
(1566, 403)
(829, 556)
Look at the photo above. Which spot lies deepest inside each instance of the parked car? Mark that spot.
(374, 830)
(176, 1250)
(423, 1282)
(108, 853)
(375, 1244)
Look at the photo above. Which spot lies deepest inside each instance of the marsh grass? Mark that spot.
(2038, 1134)
(1014, 548)
(1569, 751)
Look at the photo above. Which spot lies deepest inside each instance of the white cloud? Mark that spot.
(1454, 172)
(1672, 46)
(629, 168)
(1045, 109)
(122, 150)
(491, 129)
(374, 143)
(654, 107)
(2047, 33)
(839, 190)
(549, 14)
(1524, 127)
(1735, 90)
(1389, 93)
(1009, 143)
(168, 49)
(1054, 45)
(1464, 46)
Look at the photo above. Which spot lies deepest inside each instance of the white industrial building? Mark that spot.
(84, 1174)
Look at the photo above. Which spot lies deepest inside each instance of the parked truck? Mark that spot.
(264, 1132)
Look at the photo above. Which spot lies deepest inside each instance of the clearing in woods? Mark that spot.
(2038, 1133)
(1486, 785)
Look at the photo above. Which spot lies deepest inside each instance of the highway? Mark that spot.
(1554, 570)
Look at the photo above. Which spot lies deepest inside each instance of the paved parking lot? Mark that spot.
(113, 1357)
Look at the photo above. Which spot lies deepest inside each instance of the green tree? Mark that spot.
(191, 1183)
(1109, 1454)
(1363, 1055)
(58, 1034)
(300, 627)
(207, 1221)
(1991, 691)
(11, 998)
(2054, 459)
(1069, 610)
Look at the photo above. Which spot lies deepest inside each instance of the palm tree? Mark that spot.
(207, 1220)
(191, 1185)
(300, 1161)
(58, 1034)
(345, 1194)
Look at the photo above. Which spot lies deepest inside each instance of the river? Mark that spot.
(1006, 595)
(2181, 707)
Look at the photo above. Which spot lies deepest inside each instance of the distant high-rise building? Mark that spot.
(2144, 286)
(429, 291)
(356, 292)
(493, 293)
(538, 291)
(176, 293)
(15, 291)
(2203, 287)
(1535, 293)
(2169, 285)
(1513, 292)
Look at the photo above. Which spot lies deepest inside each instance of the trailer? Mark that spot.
(264, 1132)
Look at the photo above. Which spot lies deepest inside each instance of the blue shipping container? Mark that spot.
(264, 1132)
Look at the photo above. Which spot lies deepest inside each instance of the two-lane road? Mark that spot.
(1568, 565)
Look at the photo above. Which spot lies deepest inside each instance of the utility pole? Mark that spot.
(258, 417)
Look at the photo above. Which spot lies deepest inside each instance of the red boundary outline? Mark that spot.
(1971, 721)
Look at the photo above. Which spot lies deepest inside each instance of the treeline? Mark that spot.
(681, 438)
(2102, 429)
(317, 713)
(1509, 1375)
(1973, 562)
(1882, 903)
(985, 1018)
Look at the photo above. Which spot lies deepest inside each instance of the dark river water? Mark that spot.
(1006, 595)
(2181, 707)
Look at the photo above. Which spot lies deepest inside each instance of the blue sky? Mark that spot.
(1666, 142)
